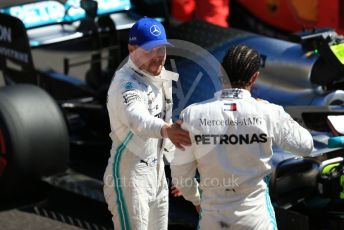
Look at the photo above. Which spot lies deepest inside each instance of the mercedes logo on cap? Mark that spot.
(154, 29)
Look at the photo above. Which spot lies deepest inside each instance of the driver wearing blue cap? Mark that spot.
(140, 110)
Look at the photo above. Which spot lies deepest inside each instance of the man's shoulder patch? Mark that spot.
(129, 85)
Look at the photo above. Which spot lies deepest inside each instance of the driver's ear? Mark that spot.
(254, 77)
(131, 48)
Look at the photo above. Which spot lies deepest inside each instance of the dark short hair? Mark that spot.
(240, 63)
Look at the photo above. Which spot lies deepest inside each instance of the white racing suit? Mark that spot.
(135, 185)
(232, 137)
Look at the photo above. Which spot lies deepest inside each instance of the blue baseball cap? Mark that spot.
(148, 33)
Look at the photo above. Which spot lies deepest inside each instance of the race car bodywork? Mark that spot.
(305, 76)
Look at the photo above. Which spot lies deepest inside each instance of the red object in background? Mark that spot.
(183, 10)
(212, 11)
(293, 15)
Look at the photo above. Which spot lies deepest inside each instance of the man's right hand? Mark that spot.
(178, 136)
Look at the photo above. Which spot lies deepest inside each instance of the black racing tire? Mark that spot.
(34, 138)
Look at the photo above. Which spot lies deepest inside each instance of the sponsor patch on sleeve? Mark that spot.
(130, 97)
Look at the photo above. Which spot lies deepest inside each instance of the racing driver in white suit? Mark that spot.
(232, 136)
(140, 110)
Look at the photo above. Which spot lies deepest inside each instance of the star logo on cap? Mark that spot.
(154, 29)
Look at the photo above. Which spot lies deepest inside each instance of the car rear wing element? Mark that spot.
(315, 117)
(14, 42)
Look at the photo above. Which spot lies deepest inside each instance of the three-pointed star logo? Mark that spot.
(154, 29)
